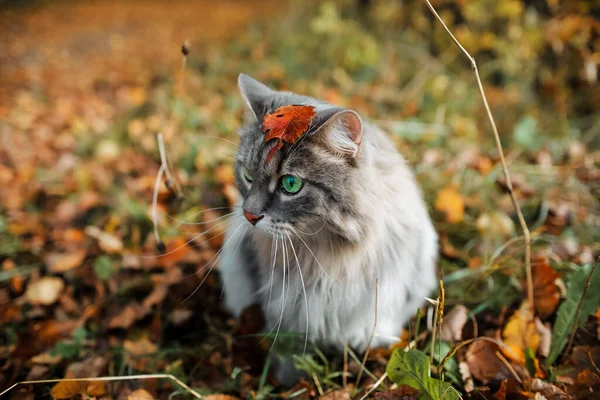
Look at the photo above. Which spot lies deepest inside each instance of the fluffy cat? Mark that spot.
(325, 218)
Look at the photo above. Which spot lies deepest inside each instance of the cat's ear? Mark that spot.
(341, 130)
(256, 95)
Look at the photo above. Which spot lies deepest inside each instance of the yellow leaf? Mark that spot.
(520, 333)
(450, 202)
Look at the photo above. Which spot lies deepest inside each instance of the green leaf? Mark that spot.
(104, 267)
(525, 133)
(412, 369)
(565, 319)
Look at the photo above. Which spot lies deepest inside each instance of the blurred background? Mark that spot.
(85, 86)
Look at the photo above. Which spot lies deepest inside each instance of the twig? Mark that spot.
(165, 163)
(159, 244)
(345, 374)
(510, 367)
(316, 379)
(375, 386)
(364, 361)
(109, 378)
(502, 160)
(579, 305)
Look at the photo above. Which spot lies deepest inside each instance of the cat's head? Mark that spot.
(309, 186)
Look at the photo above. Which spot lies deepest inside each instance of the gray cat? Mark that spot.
(324, 218)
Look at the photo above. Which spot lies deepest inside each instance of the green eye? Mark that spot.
(247, 175)
(291, 184)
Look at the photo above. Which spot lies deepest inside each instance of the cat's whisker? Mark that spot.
(223, 139)
(216, 256)
(315, 257)
(270, 284)
(310, 234)
(184, 222)
(193, 239)
(303, 290)
(283, 292)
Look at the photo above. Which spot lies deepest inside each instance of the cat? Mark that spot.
(325, 218)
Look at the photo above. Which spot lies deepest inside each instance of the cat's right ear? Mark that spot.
(256, 95)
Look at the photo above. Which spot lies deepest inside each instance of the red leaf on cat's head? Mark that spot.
(287, 124)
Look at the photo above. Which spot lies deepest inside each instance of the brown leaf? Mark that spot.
(44, 291)
(286, 124)
(341, 394)
(140, 394)
(65, 262)
(450, 202)
(402, 392)
(141, 347)
(127, 317)
(484, 363)
(546, 292)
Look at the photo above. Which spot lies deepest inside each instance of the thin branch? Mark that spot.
(375, 386)
(109, 378)
(579, 305)
(502, 160)
(364, 361)
(345, 374)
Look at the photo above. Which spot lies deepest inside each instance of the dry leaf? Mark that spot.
(107, 242)
(44, 291)
(65, 262)
(68, 389)
(454, 323)
(483, 362)
(402, 392)
(546, 292)
(450, 202)
(141, 347)
(220, 397)
(520, 333)
(140, 394)
(286, 124)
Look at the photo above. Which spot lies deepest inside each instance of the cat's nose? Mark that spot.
(253, 219)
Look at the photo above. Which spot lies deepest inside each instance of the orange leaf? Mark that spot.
(450, 202)
(67, 389)
(287, 124)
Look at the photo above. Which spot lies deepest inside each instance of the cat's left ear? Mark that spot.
(341, 130)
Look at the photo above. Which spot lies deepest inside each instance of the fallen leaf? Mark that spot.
(107, 242)
(402, 392)
(483, 362)
(454, 323)
(450, 202)
(96, 389)
(65, 262)
(220, 397)
(140, 394)
(127, 317)
(67, 389)
(341, 394)
(520, 333)
(286, 124)
(546, 292)
(141, 347)
(44, 291)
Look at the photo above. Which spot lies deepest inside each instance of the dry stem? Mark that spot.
(502, 160)
(109, 378)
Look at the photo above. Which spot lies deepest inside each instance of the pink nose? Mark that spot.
(253, 219)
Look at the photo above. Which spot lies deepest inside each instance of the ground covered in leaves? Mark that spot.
(85, 87)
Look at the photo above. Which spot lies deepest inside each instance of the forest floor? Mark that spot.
(86, 86)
